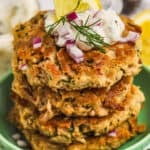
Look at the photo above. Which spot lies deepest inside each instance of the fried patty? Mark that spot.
(67, 130)
(123, 133)
(87, 102)
(51, 66)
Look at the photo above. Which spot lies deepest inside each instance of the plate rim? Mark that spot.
(4, 141)
(5, 75)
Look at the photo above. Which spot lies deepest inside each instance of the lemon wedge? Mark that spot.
(64, 7)
(143, 19)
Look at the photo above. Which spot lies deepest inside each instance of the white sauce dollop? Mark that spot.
(110, 26)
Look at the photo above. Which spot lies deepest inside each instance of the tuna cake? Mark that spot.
(87, 102)
(67, 130)
(112, 140)
(51, 57)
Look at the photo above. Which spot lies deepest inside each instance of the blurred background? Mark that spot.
(16, 11)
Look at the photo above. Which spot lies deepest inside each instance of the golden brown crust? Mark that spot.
(87, 102)
(126, 131)
(130, 25)
(62, 105)
(48, 66)
(67, 130)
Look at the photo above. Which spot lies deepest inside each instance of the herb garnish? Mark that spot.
(62, 19)
(54, 25)
(93, 39)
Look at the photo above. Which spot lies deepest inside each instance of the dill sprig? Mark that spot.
(92, 38)
(54, 25)
(98, 21)
(62, 19)
(86, 22)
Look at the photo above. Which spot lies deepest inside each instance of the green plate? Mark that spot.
(138, 143)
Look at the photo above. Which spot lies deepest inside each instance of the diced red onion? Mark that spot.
(60, 41)
(70, 42)
(24, 67)
(63, 30)
(131, 37)
(112, 134)
(72, 16)
(38, 45)
(37, 42)
(79, 60)
(65, 35)
(74, 52)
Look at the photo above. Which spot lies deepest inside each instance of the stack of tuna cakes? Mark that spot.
(63, 105)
